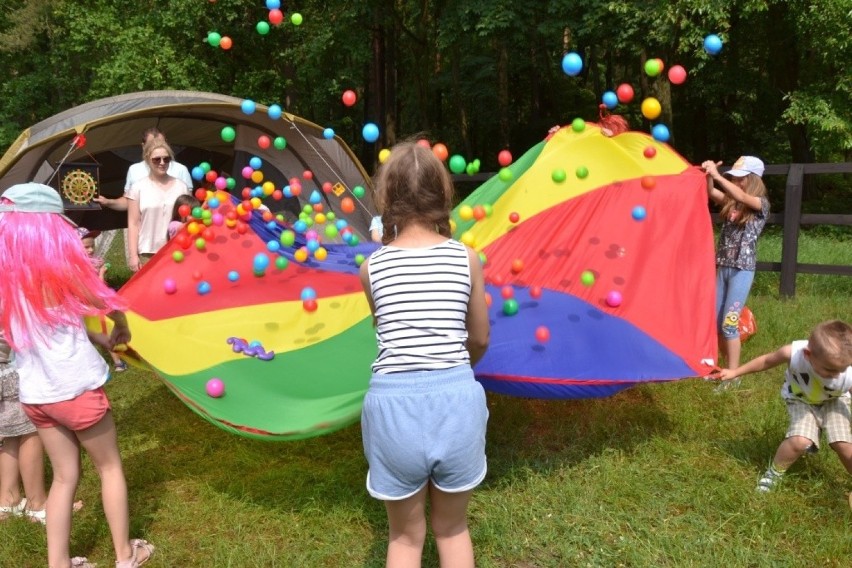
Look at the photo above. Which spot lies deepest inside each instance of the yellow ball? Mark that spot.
(384, 154)
(452, 226)
(465, 212)
(651, 108)
(301, 255)
(268, 188)
(468, 239)
(319, 218)
(320, 254)
(256, 202)
(257, 176)
(193, 228)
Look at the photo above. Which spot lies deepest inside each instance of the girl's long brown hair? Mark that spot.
(753, 186)
(413, 186)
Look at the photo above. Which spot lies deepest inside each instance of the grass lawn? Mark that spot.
(659, 475)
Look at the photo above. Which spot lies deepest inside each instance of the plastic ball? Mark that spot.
(308, 293)
(274, 111)
(651, 108)
(638, 213)
(349, 97)
(610, 99)
(517, 266)
(273, 4)
(542, 334)
(370, 132)
(625, 93)
(275, 17)
(215, 388)
(281, 263)
(359, 191)
(712, 44)
(514, 217)
(648, 182)
(582, 172)
(177, 256)
(587, 278)
(280, 143)
(660, 132)
(578, 125)
(652, 67)
(248, 106)
(263, 141)
(261, 262)
(613, 299)
(200, 243)
(558, 175)
(328, 133)
(504, 158)
(649, 152)
(262, 28)
(226, 43)
(572, 64)
(233, 275)
(510, 307)
(310, 305)
(197, 173)
(441, 152)
(228, 134)
(535, 292)
(505, 174)
(677, 75)
(169, 286)
(213, 38)
(203, 287)
(479, 212)
(384, 154)
(296, 19)
(347, 205)
(457, 164)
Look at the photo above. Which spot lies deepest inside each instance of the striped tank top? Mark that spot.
(421, 297)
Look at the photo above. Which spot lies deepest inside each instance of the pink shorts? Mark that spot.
(76, 414)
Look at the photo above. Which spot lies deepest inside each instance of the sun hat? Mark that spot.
(33, 198)
(746, 165)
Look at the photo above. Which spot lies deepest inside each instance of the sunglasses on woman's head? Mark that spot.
(161, 159)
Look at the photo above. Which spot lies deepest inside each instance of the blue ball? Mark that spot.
(273, 246)
(233, 275)
(328, 133)
(308, 293)
(370, 132)
(300, 226)
(638, 213)
(660, 132)
(273, 4)
(261, 262)
(712, 44)
(274, 112)
(255, 163)
(198, 173)
(204, 287)
(213, 203)
(610, 99)
(341, 224)
(572, 64)
(248, 106)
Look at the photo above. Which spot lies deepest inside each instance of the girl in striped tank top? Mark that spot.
(424, 415)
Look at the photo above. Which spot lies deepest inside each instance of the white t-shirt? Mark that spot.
(155, 206)
(141, 170)
(802, 383)
(62, 368)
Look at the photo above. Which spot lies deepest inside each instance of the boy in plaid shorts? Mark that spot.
(816, 389)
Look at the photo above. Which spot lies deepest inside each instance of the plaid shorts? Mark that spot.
(832, 416)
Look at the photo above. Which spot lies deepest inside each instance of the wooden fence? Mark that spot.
(792, 220)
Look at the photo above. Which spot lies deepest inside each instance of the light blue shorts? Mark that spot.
(424, 426)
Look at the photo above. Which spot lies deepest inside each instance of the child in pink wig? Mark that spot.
(48, 285)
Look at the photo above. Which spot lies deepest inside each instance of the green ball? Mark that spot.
(457, 164)
(280, 143)
(200, 243)
(205, 166)
(177, 256)
(330, 231)
(489, 209)
(231, 183)
(229, 134)
(197, 211)
(214, 38)
(307, 209)
(582, 172)
(652, 68)
(558, 175)
(510, 307)
(288, 238)
(505, 174)
(578, 125)
(262, 28)
(359, 259)
(587, 278)
(280, 263)
(296, 19)
(358, 191)
(482, 258)
(330, 216)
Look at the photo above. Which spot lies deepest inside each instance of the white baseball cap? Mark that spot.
(746, 165)
(33, 198)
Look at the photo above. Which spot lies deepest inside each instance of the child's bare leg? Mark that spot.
(844, 452)
(64, 452)
(31, 463)
(101, 443)
(407, 530)
(116, 360)
(733, 347)
(449, 523)
(10, 478)
(789, 451)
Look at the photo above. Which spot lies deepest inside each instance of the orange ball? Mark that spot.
(479, 212)
(440, 152)
(347, 205)
(517, 266)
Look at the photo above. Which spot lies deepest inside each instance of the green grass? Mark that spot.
(659, 475)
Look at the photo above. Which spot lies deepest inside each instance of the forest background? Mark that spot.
(477, 75)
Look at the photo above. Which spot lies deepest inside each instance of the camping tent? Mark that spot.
(193, 122)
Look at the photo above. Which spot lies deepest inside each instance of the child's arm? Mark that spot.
(715, 195)
(478, 327)
(730, 188)
(364, 274)
(102, 271)
(120, 331)
(762, 363)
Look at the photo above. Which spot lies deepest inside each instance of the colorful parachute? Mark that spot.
(622, 218)
(606, 277)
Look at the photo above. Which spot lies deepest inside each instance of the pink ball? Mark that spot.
(221, 183)
(613, 299)
(215, 387)
(247, 171)
(625, 93)
(677, 75)
(349, 97)
(169, 285)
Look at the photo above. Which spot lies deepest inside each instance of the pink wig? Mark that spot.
(47, 278)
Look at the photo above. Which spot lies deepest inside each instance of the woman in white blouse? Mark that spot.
(150, 202)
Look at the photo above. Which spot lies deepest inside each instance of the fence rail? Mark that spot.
(792, 219)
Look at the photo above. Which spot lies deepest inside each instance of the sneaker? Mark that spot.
(120, 367)
(770, 480)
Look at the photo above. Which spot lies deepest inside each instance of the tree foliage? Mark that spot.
(479, 75)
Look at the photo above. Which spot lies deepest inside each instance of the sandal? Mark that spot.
(137, 544)
(41, 516)
(14, 510)
(82, 562)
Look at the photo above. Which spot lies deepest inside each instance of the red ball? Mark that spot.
(308, 174)
(211, 176)
(263, 141)
(310, 305)
(423, 143)
(624, 92)
(677, 74)
(275, 17)
(277, 195)
(542, 334)
(201, 194)
(479, 212)
(246, 193)
(327, 187)
(349, 97)
(184, 210)
(514, 217)
(504, 158)
(649, 152)
(517, 266)
(507, 292)
(535, 292)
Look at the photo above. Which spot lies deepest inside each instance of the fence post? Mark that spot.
(790, 241)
